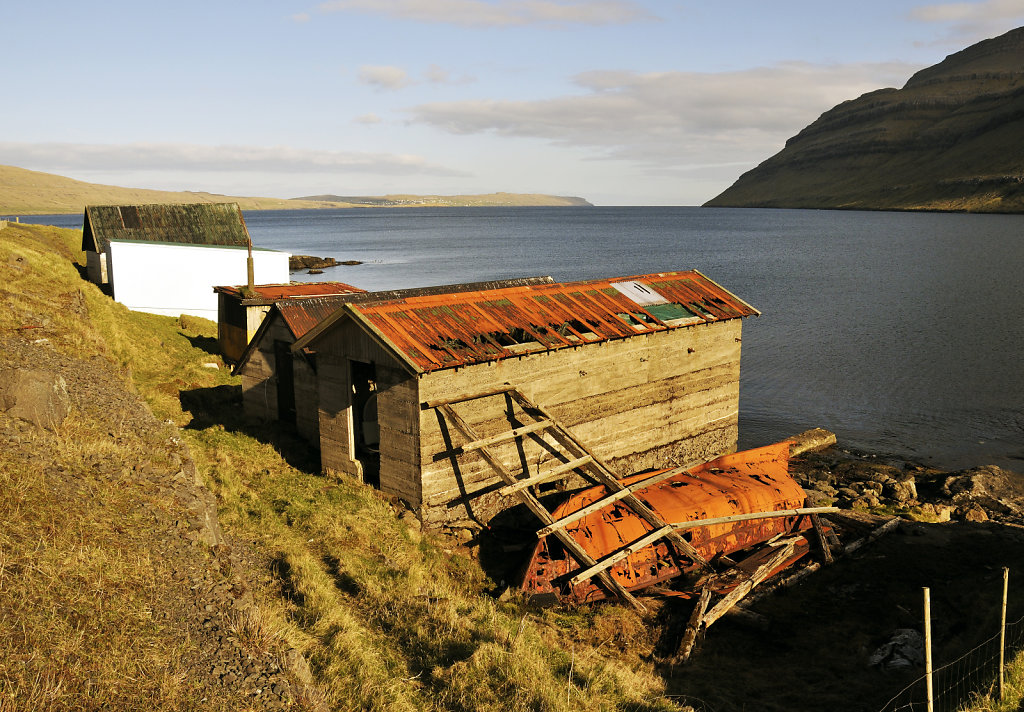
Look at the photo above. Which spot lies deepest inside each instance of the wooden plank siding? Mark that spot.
(259, 383)
(397, 411)
(653, 400)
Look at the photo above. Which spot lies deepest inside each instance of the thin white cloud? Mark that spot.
(368, 119)
(971, 22)
(300, 17)
(384, 77)
(169, 157)
(438, 75)
(673, 119)
(502, 13)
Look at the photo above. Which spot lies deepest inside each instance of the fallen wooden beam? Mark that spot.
(745, 587)
(693, 627)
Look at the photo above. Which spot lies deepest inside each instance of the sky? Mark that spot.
(621, 102)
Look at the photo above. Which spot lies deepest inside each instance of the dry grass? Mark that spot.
(387, 618)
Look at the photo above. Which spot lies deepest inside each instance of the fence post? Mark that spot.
(928, 648)
(1002, 636)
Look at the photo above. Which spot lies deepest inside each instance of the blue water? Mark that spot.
(901, 332)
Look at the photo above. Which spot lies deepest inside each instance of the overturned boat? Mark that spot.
(726, 511)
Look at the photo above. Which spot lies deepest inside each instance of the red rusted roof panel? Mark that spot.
(457, 329)
(274, 292)
(301, 315)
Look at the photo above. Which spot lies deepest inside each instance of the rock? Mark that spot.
(901, 492)
(811, 441)
(39, 397)
(903, 651)
(973, 513)
(816, 498)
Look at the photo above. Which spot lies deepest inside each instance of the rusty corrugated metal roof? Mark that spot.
(193, 224)
(269, 293)
(447, 330)
(301, 315)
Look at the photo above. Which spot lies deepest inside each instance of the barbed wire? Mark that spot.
(973, 674)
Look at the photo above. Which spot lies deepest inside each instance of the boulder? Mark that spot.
(40, 397)
(904, 650)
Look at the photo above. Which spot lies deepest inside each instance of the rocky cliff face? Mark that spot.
(951, 139)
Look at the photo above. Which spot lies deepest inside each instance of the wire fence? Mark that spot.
(975, 673)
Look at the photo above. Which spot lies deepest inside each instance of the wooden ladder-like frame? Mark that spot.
(581, 459)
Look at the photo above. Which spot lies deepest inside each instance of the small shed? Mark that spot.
(166, 259)
(241, 310)
(281, 384)
(420, 395)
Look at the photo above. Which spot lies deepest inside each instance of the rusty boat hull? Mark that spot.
(751, 481)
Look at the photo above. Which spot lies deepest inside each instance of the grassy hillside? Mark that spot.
(950, 139)
(25, 192)
(387, 617)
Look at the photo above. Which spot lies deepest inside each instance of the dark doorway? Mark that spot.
(364, 420)
(285, 382)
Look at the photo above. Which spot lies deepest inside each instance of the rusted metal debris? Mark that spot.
(724, 508)
(449, 330)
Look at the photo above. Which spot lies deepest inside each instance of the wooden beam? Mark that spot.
(693, 627)
(607, 500)
(822, 540)
(572, 546)
(620, 554)
(678, 526)
(542, 477)
(745, 587)
(437, 402)
(605, 476)
(506, 436)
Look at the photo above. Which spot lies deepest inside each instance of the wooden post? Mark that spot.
(1002, 637)
(928, 649)
(693, 627)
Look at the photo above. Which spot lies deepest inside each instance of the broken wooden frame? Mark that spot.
(580, 459)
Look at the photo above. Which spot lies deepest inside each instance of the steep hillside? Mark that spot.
(951, 139)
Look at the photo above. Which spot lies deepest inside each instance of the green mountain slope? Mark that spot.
(951, 139)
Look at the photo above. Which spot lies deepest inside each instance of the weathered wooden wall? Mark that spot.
(259, 383)
(397, 410)
(653, 400)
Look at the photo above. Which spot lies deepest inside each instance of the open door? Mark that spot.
(364, 420)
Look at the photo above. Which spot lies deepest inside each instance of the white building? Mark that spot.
(166, 259)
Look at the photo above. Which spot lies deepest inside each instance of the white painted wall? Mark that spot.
(172, 279)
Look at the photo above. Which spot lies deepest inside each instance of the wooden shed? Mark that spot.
(423, 395)
(166, 259)
(279, 384)
(240, 311)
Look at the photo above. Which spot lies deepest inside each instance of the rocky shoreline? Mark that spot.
(882, 484)
(316, 265)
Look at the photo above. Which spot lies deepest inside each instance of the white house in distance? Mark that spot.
(166, 259)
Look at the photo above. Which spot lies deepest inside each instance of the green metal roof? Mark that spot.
(191, 224)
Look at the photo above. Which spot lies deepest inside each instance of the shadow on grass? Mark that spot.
(209, 344)
(222, 405)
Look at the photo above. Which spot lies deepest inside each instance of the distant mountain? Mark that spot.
(25, 192)
(490, 199)
(951, 139)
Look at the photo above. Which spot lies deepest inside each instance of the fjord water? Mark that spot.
(901, 332)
